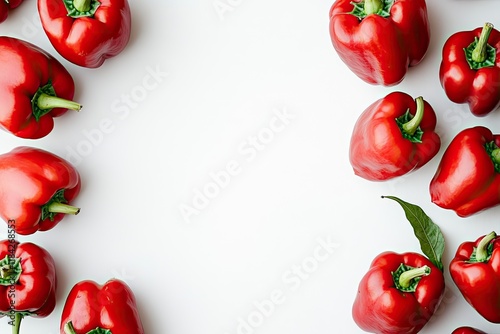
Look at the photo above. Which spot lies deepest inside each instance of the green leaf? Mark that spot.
(427, 232)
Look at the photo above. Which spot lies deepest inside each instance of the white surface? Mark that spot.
(228, 77)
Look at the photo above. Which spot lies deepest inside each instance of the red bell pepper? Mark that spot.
(468, 177)
(379, 39)
(86, 32)
(399, 294)
(470, 69)
(28, 282)
(94, 309)
(393, 136)
(474, 269)
(467, 330)
(36, 188)
(34, 88)
(6, 6)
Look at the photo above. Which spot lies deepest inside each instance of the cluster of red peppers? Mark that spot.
(395, 136)
(37, 188)
(35, 87)
(379, 41)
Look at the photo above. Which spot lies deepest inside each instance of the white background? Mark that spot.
(221, 78)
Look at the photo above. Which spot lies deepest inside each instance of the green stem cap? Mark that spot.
(69, 329)
(495, 155)
(479, 54)
(10, 270)
(494, 152)
(81, 8)
(373, 6)
(412, 126)
(482, 248)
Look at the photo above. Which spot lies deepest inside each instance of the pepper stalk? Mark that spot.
(69, 329)
(410, 124)
(406, 278)
(16, 323)
(57, 204)
(482, 253)
(45, 100)
(373, 6)
(479, 54)
(82, 5)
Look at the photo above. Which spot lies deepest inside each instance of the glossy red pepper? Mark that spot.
(468, 177)
(470, 69)
(379, 39)
(6, 6)
(474, 269)
(86, 32)
(399, 294)
(28, 282)
(393, 136)
(36, 188)
(34, 88)
(94, 309)
(467, 330)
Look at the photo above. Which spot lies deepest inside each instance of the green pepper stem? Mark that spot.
(17, 323)
(56, 207)
(6, 272)
(373, 6)
(495, 155)
(82, 5)
(479, 53)
(46, 101)
(68, 328)
(412, 126)
(407, 276)
(482, 247)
